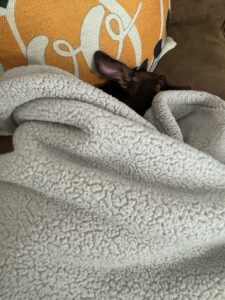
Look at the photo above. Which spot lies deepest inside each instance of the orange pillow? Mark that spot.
(66, 33)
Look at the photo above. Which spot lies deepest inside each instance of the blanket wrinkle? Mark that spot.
(97, 202)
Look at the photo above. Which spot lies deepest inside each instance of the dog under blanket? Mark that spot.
(97, 202)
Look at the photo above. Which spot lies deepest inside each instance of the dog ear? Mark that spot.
(144, 66)
(112, 69)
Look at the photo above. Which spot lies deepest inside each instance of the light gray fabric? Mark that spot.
(97, 203)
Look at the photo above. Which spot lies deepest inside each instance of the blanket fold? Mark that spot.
(97, 202)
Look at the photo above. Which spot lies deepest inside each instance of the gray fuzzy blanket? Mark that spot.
(97, 202)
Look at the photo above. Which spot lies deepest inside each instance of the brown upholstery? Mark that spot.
(198, 27)
(198, 60)
(197, 10)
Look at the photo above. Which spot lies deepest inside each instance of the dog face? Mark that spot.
(136, 88)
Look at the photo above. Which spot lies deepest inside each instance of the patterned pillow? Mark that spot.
(66, 33)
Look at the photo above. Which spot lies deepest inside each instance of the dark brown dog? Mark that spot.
(135, 87)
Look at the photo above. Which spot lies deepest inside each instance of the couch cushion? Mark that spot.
(199, 58)
(195, 10)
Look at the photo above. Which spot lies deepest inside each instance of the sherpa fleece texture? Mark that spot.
(97, 202)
